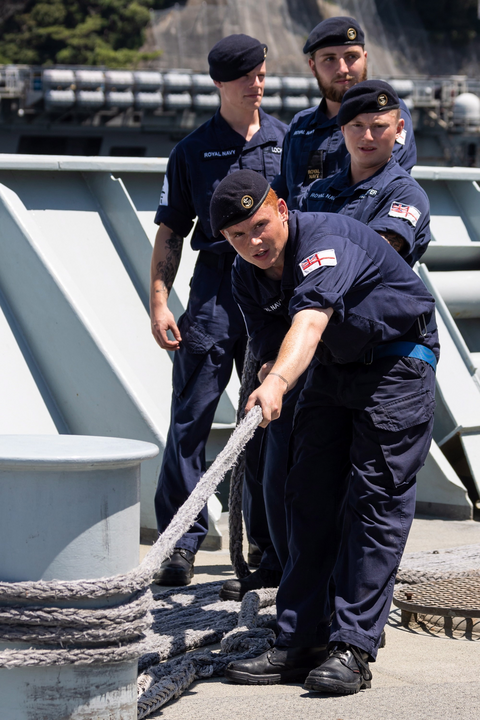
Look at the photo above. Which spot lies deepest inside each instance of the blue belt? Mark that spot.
(402, 349)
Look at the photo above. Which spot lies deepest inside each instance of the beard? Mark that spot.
(335, 94)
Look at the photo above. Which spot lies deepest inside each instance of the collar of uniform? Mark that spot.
(225, 135)
(266, 133)
(374, 180)
(228, 137)
(320, 118)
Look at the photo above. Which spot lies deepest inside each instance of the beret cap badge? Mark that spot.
(382, 100)
(236, 198)
(351, 33)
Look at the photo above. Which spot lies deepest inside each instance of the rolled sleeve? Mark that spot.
(416, 236)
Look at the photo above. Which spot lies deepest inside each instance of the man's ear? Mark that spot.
(282, 209)
(311, 63)
(400, 126)
(218, 84)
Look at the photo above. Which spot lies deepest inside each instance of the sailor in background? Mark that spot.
(313, 147)
(210, 336)
(363, 324)
(373, 188)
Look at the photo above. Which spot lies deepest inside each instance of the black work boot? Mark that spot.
(177, 569)
(262, 578)
(345, 672)
(254, 556)
(276, 665)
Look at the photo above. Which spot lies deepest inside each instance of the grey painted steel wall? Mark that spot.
(73, 305)
(76, 237)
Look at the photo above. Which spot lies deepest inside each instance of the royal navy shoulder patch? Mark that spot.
(408, 212)
(317, 260)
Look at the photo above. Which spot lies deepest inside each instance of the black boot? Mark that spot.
(276, 665)
(177, 569)
(344, 673)
(254, 556)
(261, 578)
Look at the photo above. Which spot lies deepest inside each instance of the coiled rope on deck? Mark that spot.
(99, 628)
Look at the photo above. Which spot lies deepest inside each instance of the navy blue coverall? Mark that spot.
(388, 200)
(362, 427)
(212, 328)
(314, 148)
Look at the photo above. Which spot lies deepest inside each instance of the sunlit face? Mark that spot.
(338, 68)
(261, 239)
(370, 137)
(246, 92)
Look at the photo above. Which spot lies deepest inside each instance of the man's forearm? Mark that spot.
(396, 241)
(300, 343)
(296, 353)
(165, 261)
(166, 257)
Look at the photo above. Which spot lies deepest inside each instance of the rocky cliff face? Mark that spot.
(397, 41)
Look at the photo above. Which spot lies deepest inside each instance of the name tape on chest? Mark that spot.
(408, 212)
(318, 260)
(402, 138)
(211, 154)
(274, 306)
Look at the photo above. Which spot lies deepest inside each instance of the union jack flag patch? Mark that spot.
(409, 212)
(318, 260)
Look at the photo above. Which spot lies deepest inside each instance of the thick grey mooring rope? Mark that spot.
(235, 524)
(169, 680)
(136, 581)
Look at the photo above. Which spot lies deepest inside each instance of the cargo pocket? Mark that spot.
(196, 344)
(404, 428)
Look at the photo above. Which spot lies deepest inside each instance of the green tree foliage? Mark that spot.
(80, 32)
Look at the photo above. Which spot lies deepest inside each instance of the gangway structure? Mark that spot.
(78, 357)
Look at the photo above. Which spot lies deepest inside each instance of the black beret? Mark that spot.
(237, 198)
(235, 56)
(370, 96)
(341, 30)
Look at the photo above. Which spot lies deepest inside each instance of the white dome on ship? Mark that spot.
(466, 109)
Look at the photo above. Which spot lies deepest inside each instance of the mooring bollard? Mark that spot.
(69, 510)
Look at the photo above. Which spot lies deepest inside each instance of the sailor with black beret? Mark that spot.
(313, 148)
(373, 188)
(210, 337)
(322, 293)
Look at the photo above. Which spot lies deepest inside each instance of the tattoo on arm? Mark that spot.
(167, 269)
(395, 240)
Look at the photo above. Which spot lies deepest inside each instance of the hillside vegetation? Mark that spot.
(80, 32)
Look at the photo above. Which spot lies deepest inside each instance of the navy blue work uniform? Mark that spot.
(314, 148)
(389, 200)
(362, 426)
(266, 333)
(212, 328)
